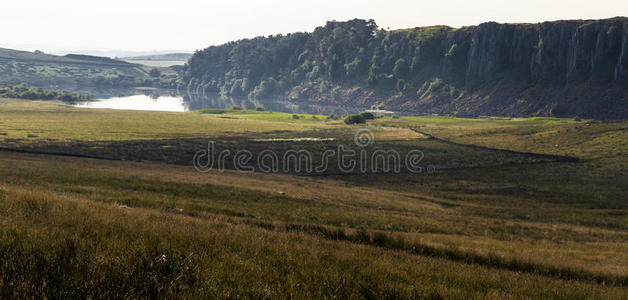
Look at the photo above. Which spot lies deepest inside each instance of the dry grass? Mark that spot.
(52, 239)
(440, 222)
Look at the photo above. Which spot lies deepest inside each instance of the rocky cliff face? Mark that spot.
(563, 68)
(552, 52)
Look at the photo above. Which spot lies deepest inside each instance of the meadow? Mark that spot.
(106, 203)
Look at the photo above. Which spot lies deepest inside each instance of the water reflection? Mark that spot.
(138, 102)
(169, 100)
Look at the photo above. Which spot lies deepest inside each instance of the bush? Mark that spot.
(259, 108)
(296, 117)
(355, 119)
(367, 116)
(236, 107)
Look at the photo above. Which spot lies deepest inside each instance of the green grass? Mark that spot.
(602, 144)
(268, 115)
(472, 123)
(53, 121)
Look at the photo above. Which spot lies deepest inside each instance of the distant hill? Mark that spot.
(72, 70)
(94, 58)
(162, 57)
(563, 68)
(38, 56)
(117, 53)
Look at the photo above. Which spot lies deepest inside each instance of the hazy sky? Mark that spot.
(189, 24)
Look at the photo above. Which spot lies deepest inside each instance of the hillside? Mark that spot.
(162, 57)
(563, 68)
(72, 70)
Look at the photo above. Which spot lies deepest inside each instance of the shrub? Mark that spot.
(259, 108)
(355, 119)
(367, 116)
(236, 107)
(296, 117)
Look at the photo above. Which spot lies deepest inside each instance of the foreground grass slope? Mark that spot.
(485, 224)
(113, 229)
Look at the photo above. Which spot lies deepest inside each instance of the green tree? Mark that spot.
(352, 69)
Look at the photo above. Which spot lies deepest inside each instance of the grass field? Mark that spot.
(483, 223)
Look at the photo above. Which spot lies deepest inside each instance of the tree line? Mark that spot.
(24, 91)
(355, 52)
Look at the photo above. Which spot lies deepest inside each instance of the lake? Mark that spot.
(138, 102)
(156, 100)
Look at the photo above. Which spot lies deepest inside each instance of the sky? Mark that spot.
(188, 25)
